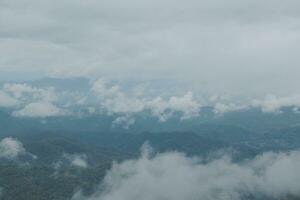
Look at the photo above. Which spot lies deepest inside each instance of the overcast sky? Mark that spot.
(244, 47)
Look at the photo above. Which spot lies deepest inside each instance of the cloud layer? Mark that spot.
(126, 102)
(242, 47)
(173, 176)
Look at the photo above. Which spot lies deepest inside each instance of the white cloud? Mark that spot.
(11, 148)
(173, 176)
(113, 100)
(185, 104)
(221, 108)
(272, 103)
(163, 109)
(77, 160)
(39, 109)
(7, 101)
(124, 121)
(109, 98)
(18, 89)
(30, 101)
(25, 92)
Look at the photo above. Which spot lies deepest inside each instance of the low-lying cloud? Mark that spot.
(114, 100)
(221, 108)
(23, 91)
(40, 110)
(11, 148)
(29, 101)
(174, 176)
(272, 103)
(109, 98)
(77, 160)
(7, 101)
(71, 160)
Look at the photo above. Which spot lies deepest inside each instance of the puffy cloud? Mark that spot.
(26, 92)
(165, 108)
(125, 121)
(173, 176)
(221, 108)
(77, 160)
(272, 103)
(39, 109)
(113, 100)
(29, 101)
(67, 160)
(7, 101)
(18, 89)
(11, 148)
(126, 102)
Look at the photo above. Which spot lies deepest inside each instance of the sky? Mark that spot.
(247, 47)
(174, 55)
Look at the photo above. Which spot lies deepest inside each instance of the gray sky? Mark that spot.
(241, 47)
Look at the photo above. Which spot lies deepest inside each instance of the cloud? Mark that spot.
(126, 102)
(113, 100)
(40, 110)
(25, 92)
(124, 121)
(213, 47)
(173, 176)
(11, 148)
(7, 101)
(77, 160)
(186, 104)
(29, 101)
(221, 108)
(272, 103)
